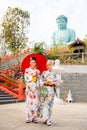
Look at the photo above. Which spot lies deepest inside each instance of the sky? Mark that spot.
(43, 14)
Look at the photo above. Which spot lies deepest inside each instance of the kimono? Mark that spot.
(31, 92)
(48, 99)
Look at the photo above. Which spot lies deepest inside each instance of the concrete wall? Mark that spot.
(77, 83)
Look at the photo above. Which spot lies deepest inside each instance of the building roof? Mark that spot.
(77, 42)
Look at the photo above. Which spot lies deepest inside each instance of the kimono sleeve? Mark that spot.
(27, 76)
(42, 79)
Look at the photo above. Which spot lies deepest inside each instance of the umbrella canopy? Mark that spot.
(40, 60)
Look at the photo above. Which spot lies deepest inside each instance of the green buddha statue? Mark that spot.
(63, 35)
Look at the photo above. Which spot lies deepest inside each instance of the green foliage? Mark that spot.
(71, 48)
(15, 27)
(57, 52)
(38, 47)
(79, 55)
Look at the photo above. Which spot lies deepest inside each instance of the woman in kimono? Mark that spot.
(50, 79)
(32, 92)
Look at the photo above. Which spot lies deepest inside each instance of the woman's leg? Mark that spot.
(41, 106)
(48, 108)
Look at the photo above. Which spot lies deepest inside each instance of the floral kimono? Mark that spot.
(47, 99)
(32, 99)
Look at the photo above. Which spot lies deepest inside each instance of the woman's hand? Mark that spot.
(49, 83)
(34, 74)
(39, 87)
(59, 82)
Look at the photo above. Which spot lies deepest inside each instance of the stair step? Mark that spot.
(5, 95)
(1, 94)
(7, 98)
(1, 91)
(8, 101)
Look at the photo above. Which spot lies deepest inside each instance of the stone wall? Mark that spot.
(77, 83)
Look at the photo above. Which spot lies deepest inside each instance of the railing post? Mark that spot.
(21, 89)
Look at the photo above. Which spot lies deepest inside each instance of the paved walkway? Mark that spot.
(68, 116)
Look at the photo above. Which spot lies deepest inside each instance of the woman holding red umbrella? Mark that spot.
(31, 76)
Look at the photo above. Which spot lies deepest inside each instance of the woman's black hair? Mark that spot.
(33, 58)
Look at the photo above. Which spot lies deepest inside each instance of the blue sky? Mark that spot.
(43, 15)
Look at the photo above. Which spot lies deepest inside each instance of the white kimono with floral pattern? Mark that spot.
(32, 99)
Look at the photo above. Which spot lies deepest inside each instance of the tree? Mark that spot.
(15, 27)
(38, 47)
(58, 52)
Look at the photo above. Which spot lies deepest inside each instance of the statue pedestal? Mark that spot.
(69, 96)
(59, 101)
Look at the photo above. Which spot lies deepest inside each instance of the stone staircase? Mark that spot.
(5, 98)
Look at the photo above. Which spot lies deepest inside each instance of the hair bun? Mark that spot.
(33, 58)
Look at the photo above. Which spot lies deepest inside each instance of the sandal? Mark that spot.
(34, 120)
(27, 121)
(47, 122)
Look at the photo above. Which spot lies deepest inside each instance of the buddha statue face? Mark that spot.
(61, 22)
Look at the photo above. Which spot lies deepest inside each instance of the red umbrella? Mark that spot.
(40, 60)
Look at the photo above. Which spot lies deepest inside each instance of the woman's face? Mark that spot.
(32, 64)
(49, 67)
